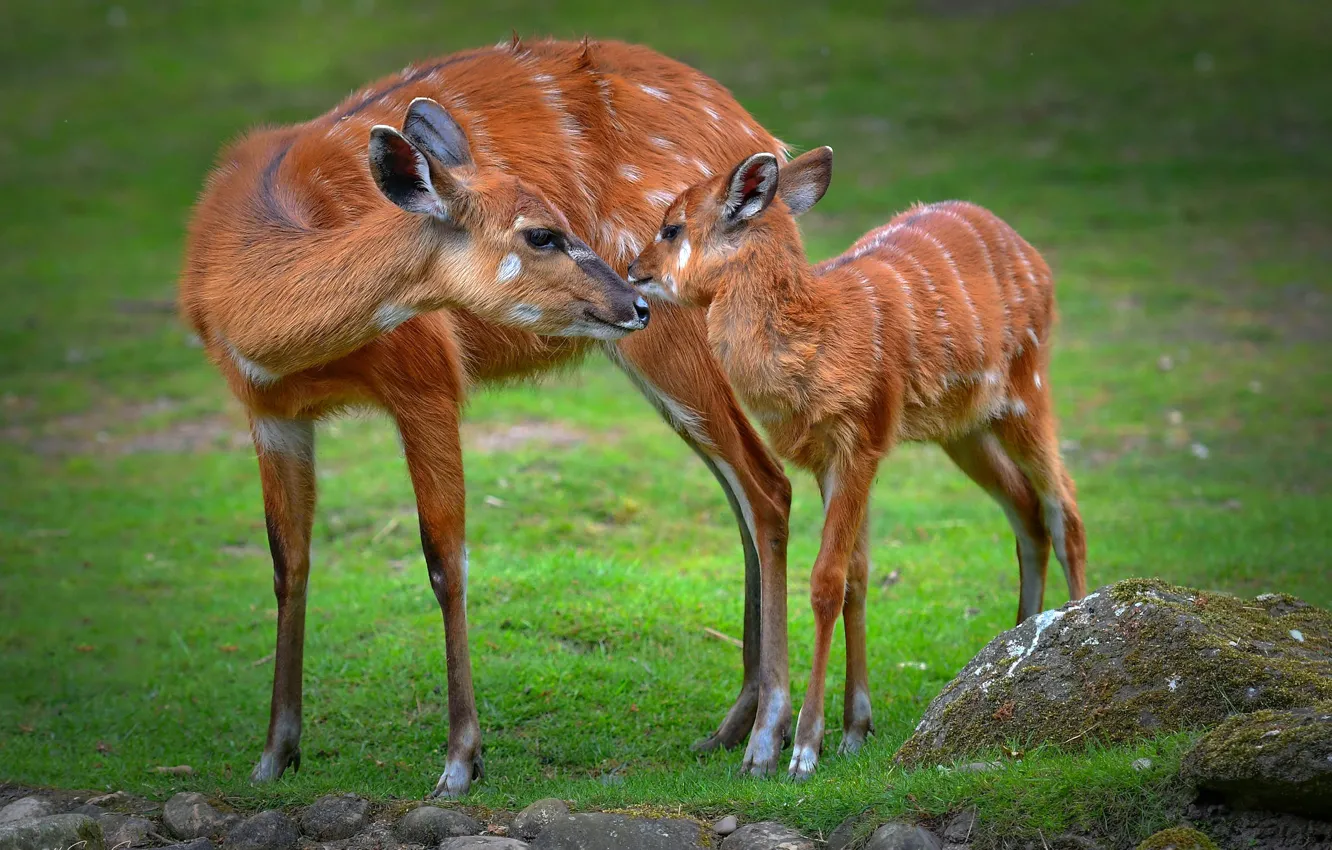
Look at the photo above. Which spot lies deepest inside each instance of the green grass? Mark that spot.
(1172, 161)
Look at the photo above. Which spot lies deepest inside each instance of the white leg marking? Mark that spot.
(509, 268)
(733, 483)
(291, 437)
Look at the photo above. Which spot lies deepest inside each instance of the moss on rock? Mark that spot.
(1275, 760)
(1178, 838)
(1133, 659)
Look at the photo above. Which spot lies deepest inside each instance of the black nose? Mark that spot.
(641, 310)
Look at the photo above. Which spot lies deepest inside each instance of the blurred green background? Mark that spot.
(1172, 160)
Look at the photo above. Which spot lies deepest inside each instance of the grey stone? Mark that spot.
(334, 817)
(53, 832)
(189, 815)
(902, 836)
(125, 830)
(265, 831)
(536, 817)
(979, 767)
(483, 842)
(960, 827)
(766, 835)
(27, 808)
(1142, 764)
(726, 825)
(846, 831)
(88, 809)
(1279, 761)
(617, 832)
(196, 844)
(121, 801)
(432, 824)
(1134, 659)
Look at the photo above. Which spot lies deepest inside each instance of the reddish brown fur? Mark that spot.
(934, 327)
(292, 249)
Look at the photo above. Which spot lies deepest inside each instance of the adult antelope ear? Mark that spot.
(402, 173)
(750, 188)
(805, 179)
(431, 128)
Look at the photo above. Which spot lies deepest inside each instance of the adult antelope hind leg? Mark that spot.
(670, 363)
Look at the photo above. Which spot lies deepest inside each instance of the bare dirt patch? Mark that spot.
(118, 428)
(490, 437)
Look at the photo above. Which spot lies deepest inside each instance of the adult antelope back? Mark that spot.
(319, 260)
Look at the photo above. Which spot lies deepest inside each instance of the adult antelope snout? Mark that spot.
(619, 310)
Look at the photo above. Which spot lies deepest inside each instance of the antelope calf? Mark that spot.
(934, 327)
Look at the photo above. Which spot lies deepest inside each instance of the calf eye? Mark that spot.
(540, 238)
(670, 231)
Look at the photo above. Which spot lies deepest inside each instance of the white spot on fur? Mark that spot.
(682, 258)
(992, 377)
(631, 173)
(509, 268)
(659, 142)
(712, 113)
(525, 314)
(1036, 379)
(291, 437)
(389, 316)
(1034, 340)
(655, 92)
(658, 197)
(1017, 407)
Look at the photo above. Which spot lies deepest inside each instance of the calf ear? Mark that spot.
(805, 179)
(750, 188)
(431, 128)
(402, 173)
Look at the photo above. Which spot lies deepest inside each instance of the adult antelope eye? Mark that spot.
(670, 231)
(540, 238)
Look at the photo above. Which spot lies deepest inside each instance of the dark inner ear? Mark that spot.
(402, 173)
(751, 188)
(433, 129)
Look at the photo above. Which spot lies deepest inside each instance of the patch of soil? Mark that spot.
(506, 437)
(1258, 830)
(120, 429)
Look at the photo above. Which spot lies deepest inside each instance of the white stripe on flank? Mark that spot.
(655, 92)
(961, 285)
(989, 264)
(874, 312)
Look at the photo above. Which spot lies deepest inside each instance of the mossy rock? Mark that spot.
(1132, 660)
(1178, 838)
(1279, 761)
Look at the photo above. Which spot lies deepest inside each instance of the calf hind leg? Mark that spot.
(983, 459)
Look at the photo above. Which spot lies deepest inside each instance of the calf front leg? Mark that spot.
(846, 490)
(429, 429)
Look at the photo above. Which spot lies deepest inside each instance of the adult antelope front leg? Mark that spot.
(429, 428)
(285, 448)
(670, 364)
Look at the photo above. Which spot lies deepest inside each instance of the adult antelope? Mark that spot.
(340, 262)
(934, 327)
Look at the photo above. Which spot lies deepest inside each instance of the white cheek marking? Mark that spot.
(389, 316)
(253, 372)
(525, 314)
(508, 268)
(291, 437)
(654, 92)
(682, 258)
